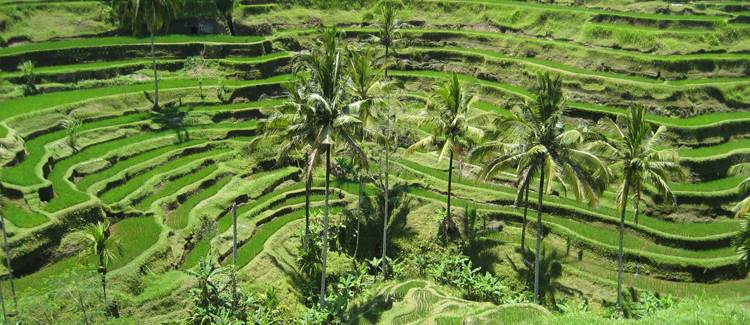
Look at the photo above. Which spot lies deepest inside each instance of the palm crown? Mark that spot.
(634, 148)
(533, 139)
(447, 116)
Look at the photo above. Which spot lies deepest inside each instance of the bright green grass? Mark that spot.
(133, 184)
(23, 105)
(254, 246)
(721, 184)
(123, 164)
(175, 185)
(127, 40)
(608, 236)
(569, 45)
(24, 174)
(580, 71)
(199, 251)
(696, 121)
(72, 196)
(158, 286)
(179, 218)
(682, 229)
(724, 148)
(20, 217)
(92, 66)
(134, 236)
(146, 63)
(658, 17)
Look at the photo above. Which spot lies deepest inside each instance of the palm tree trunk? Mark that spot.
(385, 213)
(306, 240)
(234, 254)
(325, 230)
(637, 211)
(537, 257)
(623, 208)
(448, 212)
(8, 265)
(385, 63)
(103, 271)
(523, 226)
(2, 303)
(156, 77)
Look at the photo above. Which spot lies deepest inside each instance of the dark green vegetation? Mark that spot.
(125, 158)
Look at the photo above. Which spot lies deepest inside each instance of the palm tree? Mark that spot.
(155, 15)
(96, 237)
(639, 153)
(447, 115)
(535, 141)
(388, 32)
(325, 119)
(277, 126)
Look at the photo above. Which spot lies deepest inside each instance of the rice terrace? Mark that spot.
(375, 161)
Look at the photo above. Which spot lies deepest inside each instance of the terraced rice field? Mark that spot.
(166, 180)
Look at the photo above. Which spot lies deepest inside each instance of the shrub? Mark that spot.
(29, 77)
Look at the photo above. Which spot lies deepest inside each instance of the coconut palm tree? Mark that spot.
(497, 141)
(388, 32)
(326, 119)
(96, 237)
(535, 141)
(155, 15)
(364, 81)
(303, 137)
(452, 127)
(640, 155)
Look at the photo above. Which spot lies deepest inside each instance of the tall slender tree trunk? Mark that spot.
(234, 254)
(385, 214)
(523, 226)
(637, 211)
(448, 212)
(8, 265)
(156, 77)
(537, 257)
(2, 303)
(623, 208)
(385, 63)
(306, 240)
(230, 22)
(325, 229)
(103, 271)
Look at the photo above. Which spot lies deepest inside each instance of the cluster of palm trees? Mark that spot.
(540, 147)
(335, 100)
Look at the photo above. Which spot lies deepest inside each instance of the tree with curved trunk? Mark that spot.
(154, 15)
(641, 155)
(742, 243)
(535, 142)
(96, 238)
(743, 169)
(447, 116)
